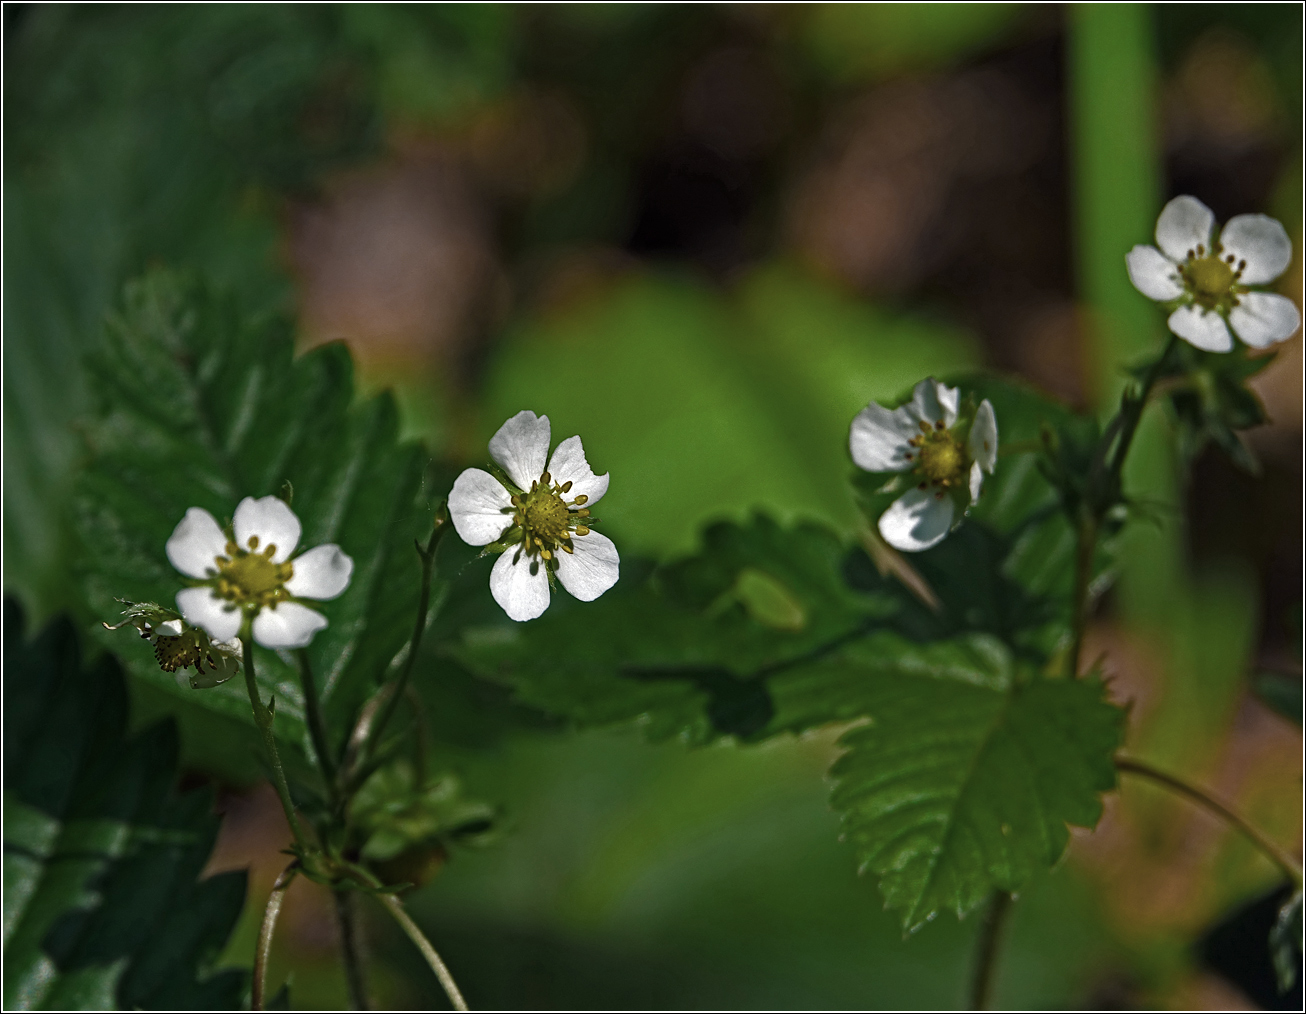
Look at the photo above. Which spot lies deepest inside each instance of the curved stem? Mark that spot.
(350, 949)
(1269, 849)
(427, 554)
(263, 719)
(428, 952)
(1084, 551)
(986, 953)
(266, 928)
(317, 723)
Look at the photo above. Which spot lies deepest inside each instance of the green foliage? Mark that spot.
(101, 859)
(772, 628)
(1211, 402)
(201, 406)
(855, 42)
(954, 788)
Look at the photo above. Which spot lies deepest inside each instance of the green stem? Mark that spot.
(415, 934)
(263, 719)
(1084, 552)
(1132, 408)
(317, 723)
(263, 948)
(427, 555)
(986, 953)
(349, 949)
(1276, 855)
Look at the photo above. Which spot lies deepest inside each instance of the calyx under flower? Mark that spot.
(178, 645)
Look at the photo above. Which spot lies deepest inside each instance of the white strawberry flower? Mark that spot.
(941, 452)
(249, 573)
(538, 518)
(1205, 276)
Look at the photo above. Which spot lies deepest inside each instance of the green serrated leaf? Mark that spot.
(683, 649)
(953, 788)
(201, 406)
(103, 905)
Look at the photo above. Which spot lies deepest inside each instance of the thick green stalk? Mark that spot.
(986, 951)
(350, 951)
(263, 719)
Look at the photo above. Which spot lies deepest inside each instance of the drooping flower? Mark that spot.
(177, 645)
(942, 450)
(1206, 276)
(248, 572)
(538, 518)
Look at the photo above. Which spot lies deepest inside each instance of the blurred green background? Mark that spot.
(702, 237)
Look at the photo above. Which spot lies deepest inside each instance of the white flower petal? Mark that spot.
(270, 521)
(983, 442)
(933, 402)
(592, 569)
(568, 464)
(522, 446)
(169, 628)
(476, 507)
(878, 438)
(976, 480)
(321, 573)
(217, 617)
(917, 520)
(195, 543)
(1185, 223)
(522, 589)
(1153, 273)
(1263, 318)
(1202, 328)
(287, 625)
(1262, 243)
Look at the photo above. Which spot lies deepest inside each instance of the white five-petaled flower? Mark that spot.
(540, 517)
(248, 573)
(943, 458)
(1204, 276)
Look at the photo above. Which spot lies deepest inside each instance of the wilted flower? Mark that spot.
(177, 645)
(943, 454)
(1204, 275)
(248, 573)
(537, 517)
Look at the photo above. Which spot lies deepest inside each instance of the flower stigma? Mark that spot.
(547, 520)
(249, 577)
(1212, 277)
(940, 458)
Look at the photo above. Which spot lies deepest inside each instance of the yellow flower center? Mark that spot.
(940, 459)
(249, 577)
(549, 521)
(1210, 278)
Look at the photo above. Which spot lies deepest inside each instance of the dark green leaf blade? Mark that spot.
(202, 406)
(955, 789)
(103, 907)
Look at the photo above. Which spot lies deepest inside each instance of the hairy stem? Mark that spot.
(258, 987)
(427, 555)
(263, 719)
(986, 950)
(346, 916)
(317, 723)
(415, 934)
(1271, 851)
